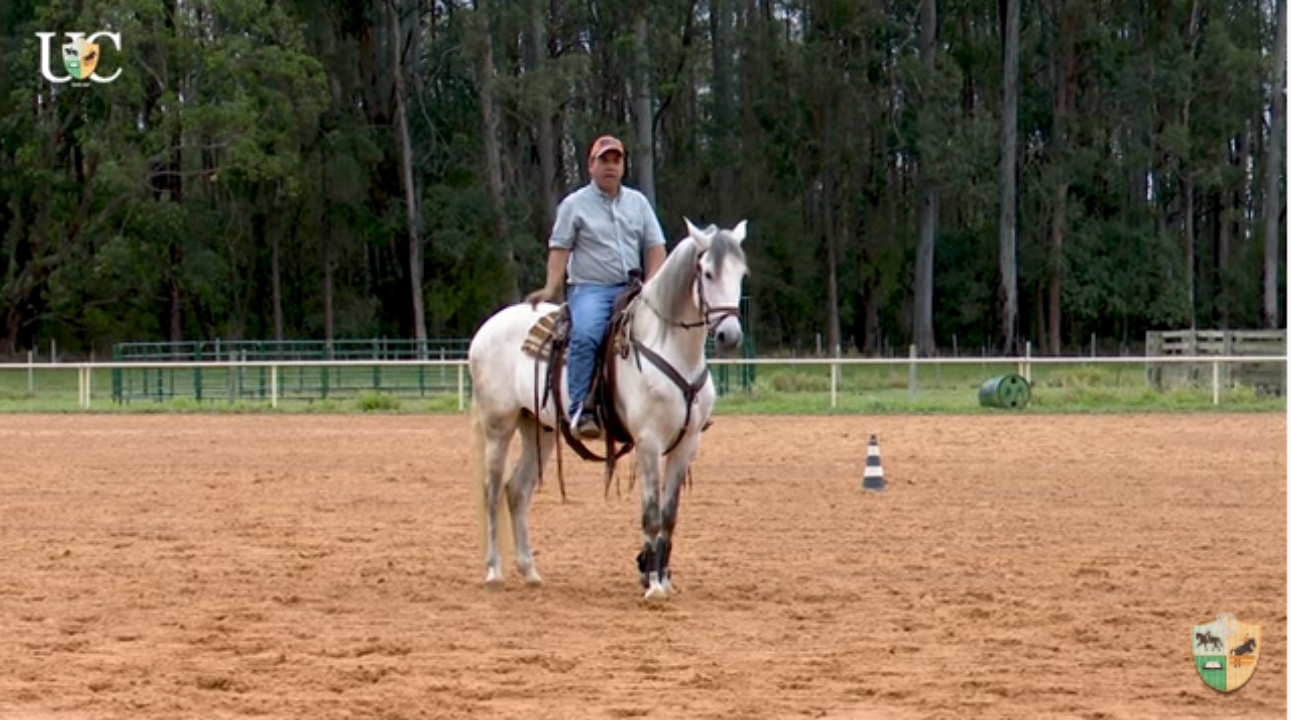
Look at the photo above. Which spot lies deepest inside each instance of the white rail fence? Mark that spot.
(85, 371)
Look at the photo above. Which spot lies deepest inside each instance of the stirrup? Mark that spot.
(586, 426)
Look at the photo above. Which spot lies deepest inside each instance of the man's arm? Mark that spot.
(557, 259)
(654, 257)
(655, 243)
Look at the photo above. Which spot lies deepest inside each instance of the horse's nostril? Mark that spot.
(721, 336)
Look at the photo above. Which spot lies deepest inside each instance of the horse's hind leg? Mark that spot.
(536, 446)
(495, 435)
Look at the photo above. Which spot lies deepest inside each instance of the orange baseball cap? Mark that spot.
(604, 144)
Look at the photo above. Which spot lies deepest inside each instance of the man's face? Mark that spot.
(607, 172)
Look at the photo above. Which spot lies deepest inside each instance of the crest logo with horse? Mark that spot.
(1226, 651)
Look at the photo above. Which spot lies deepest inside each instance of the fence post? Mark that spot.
(197, 371)
(914, 372)
(833, 383)
(273, 386)
(461, 387)
(31, 374)
(1214, 382)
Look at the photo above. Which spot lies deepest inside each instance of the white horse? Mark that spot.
(663, 395)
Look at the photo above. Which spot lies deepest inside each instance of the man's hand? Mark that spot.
(557, 259)
(546, 294)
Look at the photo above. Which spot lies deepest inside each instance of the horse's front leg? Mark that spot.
(648, 463)
(674, 475)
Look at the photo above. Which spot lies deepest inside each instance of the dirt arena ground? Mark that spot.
(187, 566)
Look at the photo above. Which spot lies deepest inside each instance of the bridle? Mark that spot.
(710, 316)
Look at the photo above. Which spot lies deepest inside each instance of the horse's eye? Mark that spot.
(708, 274)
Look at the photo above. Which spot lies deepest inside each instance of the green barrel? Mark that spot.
(1005, 391)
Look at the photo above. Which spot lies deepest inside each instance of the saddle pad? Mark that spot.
(538, 341)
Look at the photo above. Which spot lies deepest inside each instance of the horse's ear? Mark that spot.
(737, 232)
(701, 238)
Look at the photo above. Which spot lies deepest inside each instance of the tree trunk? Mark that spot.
(1186, 186)
(329, 282)
(724, 130)
(325, 220)
(828, 228)
(1273, 164)
(643, 153)
(176, 294)
(968, 89)
(492, 149)
(275, 261)
(1190, 246)
(1064, 98)
(873, 323)
(546, 129)
(1230, 232)
(1008, 182)
(415, 264)
(924, 337)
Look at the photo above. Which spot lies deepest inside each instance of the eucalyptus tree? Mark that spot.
(1274, 168)
(1008, 178)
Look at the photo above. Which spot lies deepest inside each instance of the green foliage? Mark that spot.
(1086, 376)
(247, 157)
(377, 402)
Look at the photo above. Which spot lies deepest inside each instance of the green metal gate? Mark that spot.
(237, 382)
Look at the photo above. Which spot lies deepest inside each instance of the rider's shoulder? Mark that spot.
(579, 195)
(633, 196)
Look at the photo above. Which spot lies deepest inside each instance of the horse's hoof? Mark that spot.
(533, 579)
(656, 590)
(494, 580)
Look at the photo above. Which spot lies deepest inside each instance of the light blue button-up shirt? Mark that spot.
(607, 236)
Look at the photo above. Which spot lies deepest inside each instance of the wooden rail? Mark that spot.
(1264, 377)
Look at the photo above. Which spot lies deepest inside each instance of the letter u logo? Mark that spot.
(80, 56)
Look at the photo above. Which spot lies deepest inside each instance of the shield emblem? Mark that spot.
(89, 58)
(72, 60)
(1226, 651)
(80, 58)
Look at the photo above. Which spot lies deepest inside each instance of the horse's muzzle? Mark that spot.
(727, 337)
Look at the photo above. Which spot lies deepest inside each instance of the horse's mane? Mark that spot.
(669, 291)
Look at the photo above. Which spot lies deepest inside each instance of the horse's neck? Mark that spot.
(683, 346)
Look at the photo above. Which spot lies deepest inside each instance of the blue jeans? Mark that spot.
(589, 313)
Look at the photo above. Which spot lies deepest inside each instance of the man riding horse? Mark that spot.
(602, 232)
